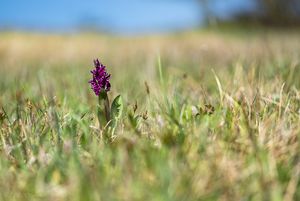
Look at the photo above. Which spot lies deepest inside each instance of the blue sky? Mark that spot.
(111, 15)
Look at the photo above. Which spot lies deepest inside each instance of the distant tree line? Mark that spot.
(268, 12)
(278, 12)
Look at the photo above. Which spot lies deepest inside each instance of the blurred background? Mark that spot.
(144, 16)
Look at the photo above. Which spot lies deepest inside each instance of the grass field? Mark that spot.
(207, 116)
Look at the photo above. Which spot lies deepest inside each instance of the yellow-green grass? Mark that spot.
(207, 116)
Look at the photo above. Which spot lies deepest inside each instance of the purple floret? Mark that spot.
(100, 79)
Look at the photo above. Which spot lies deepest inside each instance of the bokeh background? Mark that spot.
(143, 16)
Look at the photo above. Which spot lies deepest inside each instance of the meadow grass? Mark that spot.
(207, 116)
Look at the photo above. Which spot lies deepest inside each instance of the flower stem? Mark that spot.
(103, 109)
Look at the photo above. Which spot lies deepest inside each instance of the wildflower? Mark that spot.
(100, 81)
(108, 115)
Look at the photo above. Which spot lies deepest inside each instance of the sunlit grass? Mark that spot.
(217, 117)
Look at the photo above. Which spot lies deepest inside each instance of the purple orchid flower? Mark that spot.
(100, 81)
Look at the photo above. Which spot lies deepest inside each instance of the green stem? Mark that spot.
(103, 109)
